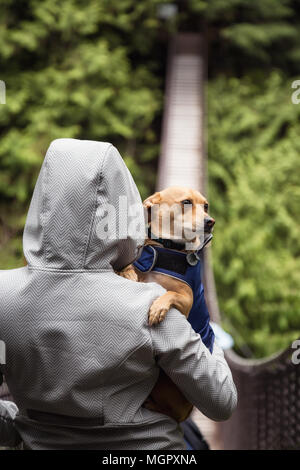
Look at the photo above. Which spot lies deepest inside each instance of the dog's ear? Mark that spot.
(149, 202)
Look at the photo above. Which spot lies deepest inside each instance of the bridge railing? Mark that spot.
(268, 413)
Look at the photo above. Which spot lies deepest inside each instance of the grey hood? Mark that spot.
(76, 182)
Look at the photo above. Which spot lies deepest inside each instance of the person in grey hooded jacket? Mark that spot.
(80, 356)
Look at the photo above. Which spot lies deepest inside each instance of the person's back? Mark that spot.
(81, 357)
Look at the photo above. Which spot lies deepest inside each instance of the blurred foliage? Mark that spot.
(243, 35)
(95, 69)
(84, 69)
(253, 53)
(254, 170)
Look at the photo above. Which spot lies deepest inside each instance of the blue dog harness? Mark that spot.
(187, 268)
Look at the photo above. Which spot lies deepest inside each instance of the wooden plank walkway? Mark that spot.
(182, 161)
(182, 137)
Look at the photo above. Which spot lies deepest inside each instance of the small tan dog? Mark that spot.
(178, 218)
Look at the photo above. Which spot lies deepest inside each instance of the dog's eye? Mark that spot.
(186, 201)
(206, 207)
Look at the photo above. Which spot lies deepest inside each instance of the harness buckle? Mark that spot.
(192, 258)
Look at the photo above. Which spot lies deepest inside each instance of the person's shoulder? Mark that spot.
(149, 290)
(142, 288)
(153, 287)
(10, 281)
(135, 298)
(9, 275)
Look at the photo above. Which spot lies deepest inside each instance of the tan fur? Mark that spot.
(165, 396)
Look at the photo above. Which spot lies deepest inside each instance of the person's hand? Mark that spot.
(8, 410)
(9, 436)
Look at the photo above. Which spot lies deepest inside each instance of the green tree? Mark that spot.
(254, 172)
(83, 69)
(243, 35)
(253, 52)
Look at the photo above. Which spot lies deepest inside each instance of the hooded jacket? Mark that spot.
(80, 356)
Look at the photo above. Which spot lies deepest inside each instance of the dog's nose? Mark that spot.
(209, 222)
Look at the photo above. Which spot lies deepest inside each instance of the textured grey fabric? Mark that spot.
(77, 179)
(77, 335)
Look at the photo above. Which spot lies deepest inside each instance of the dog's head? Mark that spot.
(180, 214)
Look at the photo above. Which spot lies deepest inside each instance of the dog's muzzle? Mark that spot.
(209, 223)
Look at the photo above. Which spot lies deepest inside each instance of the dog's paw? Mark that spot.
(158, 311)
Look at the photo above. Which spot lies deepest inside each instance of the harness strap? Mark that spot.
(175, 263)
(166, 242)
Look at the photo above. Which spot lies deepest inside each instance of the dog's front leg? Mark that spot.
(162, 305)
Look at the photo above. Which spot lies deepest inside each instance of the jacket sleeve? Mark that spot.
(9, 437)
(204, 378)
